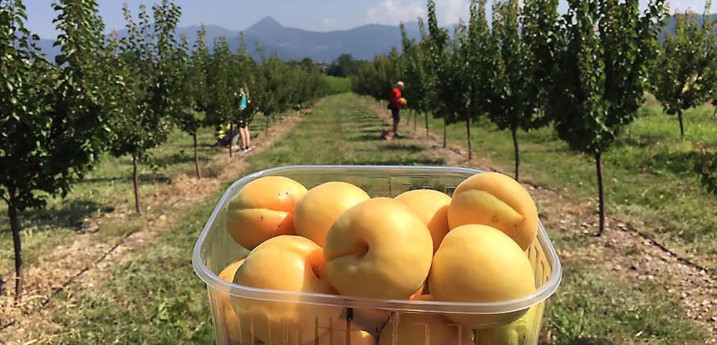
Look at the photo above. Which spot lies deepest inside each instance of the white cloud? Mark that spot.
(392, 12)
(450, 11)
(689, 5)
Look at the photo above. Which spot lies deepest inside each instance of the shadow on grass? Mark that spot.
(706, 167)
(70, 214)
(371, 127)
(400, 161)
(409, 148)
(179, 158)
(643, 141)
(536, 139)
(675, 162)
(365, 136)
(583, 341)
(187, 148)
(143, 178)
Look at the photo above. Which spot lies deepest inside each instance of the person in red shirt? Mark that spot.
(395, 106)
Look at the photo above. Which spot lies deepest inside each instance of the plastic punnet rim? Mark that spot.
(213, 280)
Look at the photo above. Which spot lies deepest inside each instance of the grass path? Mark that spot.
(150, 295)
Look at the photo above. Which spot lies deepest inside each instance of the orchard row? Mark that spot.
(121, 95)
(585, 72)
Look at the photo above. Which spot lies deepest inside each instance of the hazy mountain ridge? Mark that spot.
(363, 42)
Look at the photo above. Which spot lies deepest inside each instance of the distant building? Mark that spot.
(322, 66)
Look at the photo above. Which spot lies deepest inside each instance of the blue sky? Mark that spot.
(316, 15)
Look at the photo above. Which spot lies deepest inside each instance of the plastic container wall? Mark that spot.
(284, 318)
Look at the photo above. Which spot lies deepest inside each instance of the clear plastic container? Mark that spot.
(286, 318)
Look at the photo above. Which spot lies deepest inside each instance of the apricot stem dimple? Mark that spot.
(363, 250)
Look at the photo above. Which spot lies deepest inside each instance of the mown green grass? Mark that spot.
(343, 132)
(106, 189)
(338, 85)
(651, 177)
(155, 298)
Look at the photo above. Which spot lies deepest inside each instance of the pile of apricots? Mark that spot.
(422, 245)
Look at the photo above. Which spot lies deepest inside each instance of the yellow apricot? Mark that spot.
(285, 263)
(478, 263)
(317, 210)
(378, 248)
(236, 331)
(498, 201)
(431, 206)
(262, 209)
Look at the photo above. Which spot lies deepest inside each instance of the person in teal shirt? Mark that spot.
(242, 104)
(243, 125)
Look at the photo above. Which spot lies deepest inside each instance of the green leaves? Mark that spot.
(110, 94)
(601, 81)
(144, 105)
(414, 74)
(508, 102)
(603, 70)
(50, 117)
(377, 78)
(684, 74)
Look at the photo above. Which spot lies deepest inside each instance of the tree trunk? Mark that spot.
(468, 135)
(15, 227)
(408, 118)
(196, 155)
(601, 193)
(266, 125)
(682, 127)
(231, 137)
(427, 129)
(516, 151)
(415, 121)
(135, 181)
(714, 113)
(445, 131)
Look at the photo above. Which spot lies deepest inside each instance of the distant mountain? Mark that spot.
(45, 46)
(363, 42)
(213, 31)
(670, 27)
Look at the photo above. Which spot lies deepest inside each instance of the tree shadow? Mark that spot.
(69, 214)
(583, 341)
(369, 127)
(536, 138)
(143, 178)
(202, 145)
(400, 161)
(676, 162)
(365, 136)
(409, 148)
(592, 341)
(178, 158)
(706, 168)
(644, 140)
